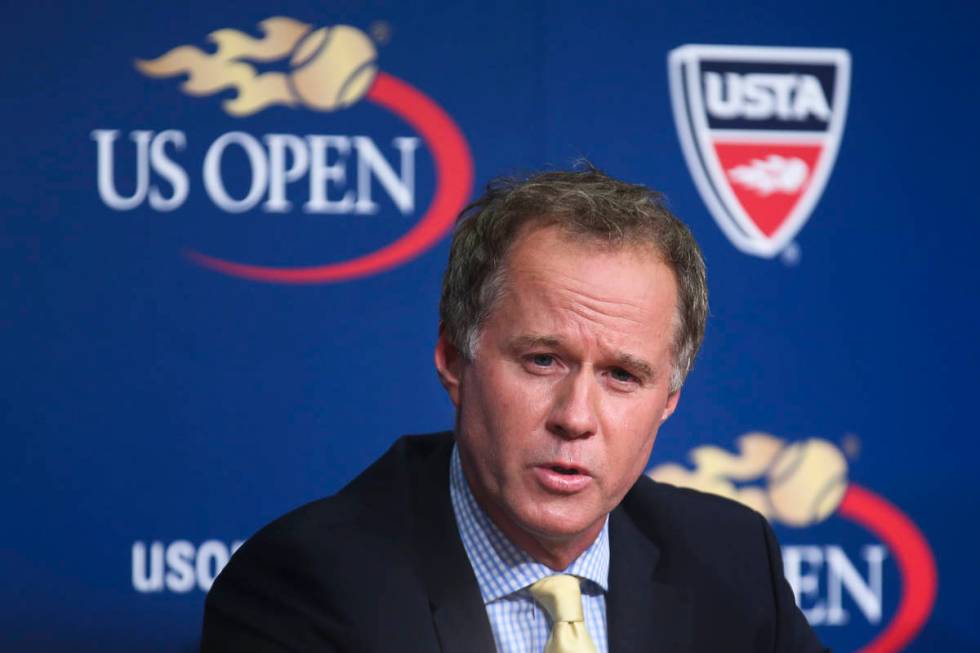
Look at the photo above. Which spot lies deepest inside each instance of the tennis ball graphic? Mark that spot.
(806, 482)
(333, 67)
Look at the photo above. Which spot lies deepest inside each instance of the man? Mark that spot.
(572, 309)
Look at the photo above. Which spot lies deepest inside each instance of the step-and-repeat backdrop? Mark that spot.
(224, 226)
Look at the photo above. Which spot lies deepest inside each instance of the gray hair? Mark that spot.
(586, 204)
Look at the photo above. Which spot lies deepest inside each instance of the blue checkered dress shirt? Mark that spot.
(504, 572)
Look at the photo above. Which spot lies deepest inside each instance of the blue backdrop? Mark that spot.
(159, 407)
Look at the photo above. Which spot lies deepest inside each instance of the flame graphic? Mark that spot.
(331, 68)
(804, 481)
(774, 174)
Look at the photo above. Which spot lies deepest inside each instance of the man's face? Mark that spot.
(560, 405)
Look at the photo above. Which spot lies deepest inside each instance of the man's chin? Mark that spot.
(537, 521)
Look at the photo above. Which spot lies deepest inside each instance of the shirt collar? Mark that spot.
(503, 568)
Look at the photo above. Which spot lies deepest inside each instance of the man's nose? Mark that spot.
(573, 414)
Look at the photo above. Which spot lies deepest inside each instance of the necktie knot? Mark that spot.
(561, 598)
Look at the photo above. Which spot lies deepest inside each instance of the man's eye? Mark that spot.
(542, 360)
(619, 374)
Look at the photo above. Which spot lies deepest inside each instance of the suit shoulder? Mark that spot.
(375, 502)
(304, 581)
(705, 541)
(727, 554)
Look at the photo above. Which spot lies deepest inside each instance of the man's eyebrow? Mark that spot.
(531, 341)
(637, 366)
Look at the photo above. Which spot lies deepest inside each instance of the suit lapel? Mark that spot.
(642, 614)
(458, 613)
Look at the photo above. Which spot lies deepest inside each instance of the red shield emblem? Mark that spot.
(760, 128)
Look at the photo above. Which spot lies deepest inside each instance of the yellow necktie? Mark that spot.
(560, 596)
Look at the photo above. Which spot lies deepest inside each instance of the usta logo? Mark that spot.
(759, 128)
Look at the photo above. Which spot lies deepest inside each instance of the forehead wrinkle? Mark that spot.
(575, 293)
(570, 297)
(610, 314)
(602, 314)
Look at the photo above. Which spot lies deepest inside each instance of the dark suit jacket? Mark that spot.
(381, 567)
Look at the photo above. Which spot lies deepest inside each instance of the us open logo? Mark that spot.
(760, 129)
(800, 485)
(294, 66)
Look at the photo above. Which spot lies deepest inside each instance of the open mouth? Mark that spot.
(563, 479)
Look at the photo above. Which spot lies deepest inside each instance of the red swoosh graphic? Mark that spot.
(454, 179)
(913, 556)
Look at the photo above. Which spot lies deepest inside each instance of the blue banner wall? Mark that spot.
(221, 259)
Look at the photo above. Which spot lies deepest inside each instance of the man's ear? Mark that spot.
(671, 406)
(449, 365)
